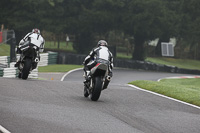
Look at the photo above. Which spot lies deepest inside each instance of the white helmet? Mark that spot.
(102, 43)
(36, 31)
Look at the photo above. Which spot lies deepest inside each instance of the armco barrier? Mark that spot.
(1, 37)
(52, 57)
(3, 65)
(43, 59)
(152, 66)
(10, 72)
(1, 72)
(34, 73)
(68, 58)
(4, 61)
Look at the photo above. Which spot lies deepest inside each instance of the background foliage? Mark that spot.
(127, 23)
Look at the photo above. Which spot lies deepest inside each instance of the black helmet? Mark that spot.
(102, 43)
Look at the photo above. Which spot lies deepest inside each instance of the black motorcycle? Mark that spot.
(98, 82)
(28, 60)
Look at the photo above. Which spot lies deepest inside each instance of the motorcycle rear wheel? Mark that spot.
(26, 68)
(96, 91)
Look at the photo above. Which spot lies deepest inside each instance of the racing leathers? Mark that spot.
(101, 52)
(33, 38)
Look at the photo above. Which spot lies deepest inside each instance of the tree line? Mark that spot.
(88, 20)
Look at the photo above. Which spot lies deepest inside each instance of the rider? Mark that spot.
(100, 52)
(33, 37)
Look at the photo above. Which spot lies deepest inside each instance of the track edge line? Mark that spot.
(3, 130)
(63, 77)
(138, 88)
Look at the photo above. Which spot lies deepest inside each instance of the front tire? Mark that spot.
(96, 92)
(20, 75)
(26, 68)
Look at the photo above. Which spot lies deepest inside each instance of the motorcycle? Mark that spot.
(99, 80)
(28, 60)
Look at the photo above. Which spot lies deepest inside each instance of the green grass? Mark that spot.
(58, 68)
(123, 56)
(187, 90)
(181, 63)
(63, 46)
(4, 50)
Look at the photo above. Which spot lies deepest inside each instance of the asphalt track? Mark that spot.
(45, 106)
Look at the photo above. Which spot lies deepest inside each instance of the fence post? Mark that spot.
(1, 38)
(52, 58)
(1, 72)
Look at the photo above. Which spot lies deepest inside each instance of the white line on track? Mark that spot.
(63, 77)
(3, 130)
(164, 96)
(142, 90)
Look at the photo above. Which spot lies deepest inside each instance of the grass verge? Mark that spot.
(4, 50)
(58, 68)
(187, 90)
(181, 63)
(62, 46)
(123, 56)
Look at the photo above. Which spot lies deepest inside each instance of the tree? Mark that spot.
(23, 16)
(89, 20)
(170, 22)
(144, 20)
(17, 19)
(92, 18)
(190, 25)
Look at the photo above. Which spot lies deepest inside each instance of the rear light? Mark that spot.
(97, 64)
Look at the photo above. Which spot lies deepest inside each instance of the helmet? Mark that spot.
(102, 43)
(36, 31)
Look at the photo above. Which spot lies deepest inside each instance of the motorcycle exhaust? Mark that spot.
(108, 78)
(37, 60)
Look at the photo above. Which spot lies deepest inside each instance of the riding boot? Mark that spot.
(87, 76)
(18, 62)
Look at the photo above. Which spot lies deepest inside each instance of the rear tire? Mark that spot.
(26, 68)
(96, 92)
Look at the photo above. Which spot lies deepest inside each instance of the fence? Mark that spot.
(67, 58)
(8, 70)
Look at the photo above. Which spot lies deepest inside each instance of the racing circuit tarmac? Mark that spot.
(52, 106)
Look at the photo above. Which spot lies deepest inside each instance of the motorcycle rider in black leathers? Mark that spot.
(100, 52)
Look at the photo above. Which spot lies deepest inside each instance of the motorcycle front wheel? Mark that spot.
(20, 75)
(26, 68)
(96, 91)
